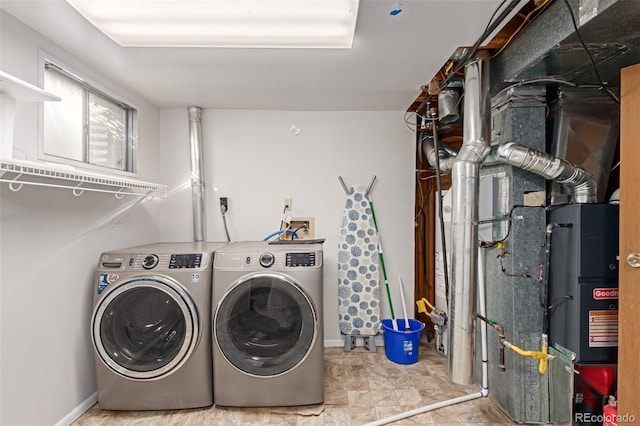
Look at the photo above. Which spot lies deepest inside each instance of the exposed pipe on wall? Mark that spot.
(581, 183)
(465, 178)
(440, 159)
(584, 188)
(197, 173)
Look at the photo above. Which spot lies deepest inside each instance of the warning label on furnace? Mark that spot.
(603, 329)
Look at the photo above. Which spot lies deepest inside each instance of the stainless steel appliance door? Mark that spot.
(145, 328)
(265, 325)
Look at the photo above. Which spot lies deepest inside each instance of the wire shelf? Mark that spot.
(18, 173)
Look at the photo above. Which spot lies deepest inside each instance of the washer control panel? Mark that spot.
(178, 261)
(148, 262)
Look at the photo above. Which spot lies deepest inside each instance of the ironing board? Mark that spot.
(358, 271)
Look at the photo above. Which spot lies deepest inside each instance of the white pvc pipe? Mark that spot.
(426, 409)
(482, 308)
(485, 362)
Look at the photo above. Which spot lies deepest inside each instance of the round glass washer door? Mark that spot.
(265, 325)
(145, 328)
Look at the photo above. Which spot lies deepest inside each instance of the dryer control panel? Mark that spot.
(271, 258)
(300, 259)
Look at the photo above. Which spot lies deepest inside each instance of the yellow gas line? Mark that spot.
(542, 355)
(422, 305)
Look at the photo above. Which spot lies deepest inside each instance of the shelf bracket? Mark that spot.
(118, 194)
(12, 184)
(77, 191)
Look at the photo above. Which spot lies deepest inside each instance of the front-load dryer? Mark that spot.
(151, 327)
(267, 325)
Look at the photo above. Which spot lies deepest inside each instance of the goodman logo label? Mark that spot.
(605, 293)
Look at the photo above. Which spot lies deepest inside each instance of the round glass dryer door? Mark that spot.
(265, 325)
(145, 328)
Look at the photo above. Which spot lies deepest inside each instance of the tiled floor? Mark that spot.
(360, 387)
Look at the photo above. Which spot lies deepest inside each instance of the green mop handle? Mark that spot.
(386, 281)
(384, 270)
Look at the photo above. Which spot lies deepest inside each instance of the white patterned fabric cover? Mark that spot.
(358, 267)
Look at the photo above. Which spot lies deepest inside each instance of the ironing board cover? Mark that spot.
(358, 270)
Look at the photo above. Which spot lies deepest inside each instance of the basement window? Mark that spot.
(88, 127)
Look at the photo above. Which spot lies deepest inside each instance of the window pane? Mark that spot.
(107, 133)
(63, 121)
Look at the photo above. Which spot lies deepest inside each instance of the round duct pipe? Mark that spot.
(197, 173)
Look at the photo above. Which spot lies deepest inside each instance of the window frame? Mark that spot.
(90, 86)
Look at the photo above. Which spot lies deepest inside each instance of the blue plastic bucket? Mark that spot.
(401, 346)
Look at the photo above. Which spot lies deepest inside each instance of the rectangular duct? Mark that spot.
(549, 48)
(512, 299)
(584, 127)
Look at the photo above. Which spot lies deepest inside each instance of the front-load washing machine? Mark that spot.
(267, 325)
(151, 327)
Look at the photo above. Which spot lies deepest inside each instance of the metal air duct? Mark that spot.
(584, 188)
(550, 48)
(446, 157)
(197, 174)
(465, 178)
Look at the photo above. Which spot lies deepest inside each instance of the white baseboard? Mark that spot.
(78, 411)
(332, 343)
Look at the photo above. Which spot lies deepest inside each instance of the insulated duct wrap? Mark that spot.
(197, 174)
(584, 188)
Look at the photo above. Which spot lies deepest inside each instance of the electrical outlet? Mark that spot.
(302, 226)
(224, 204)
(287, 204)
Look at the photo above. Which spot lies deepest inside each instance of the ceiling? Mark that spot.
(391, 58)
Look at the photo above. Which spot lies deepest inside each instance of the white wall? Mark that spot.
(50, 241)
(254, 159)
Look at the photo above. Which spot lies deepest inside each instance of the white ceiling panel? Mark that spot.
(392, 56)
